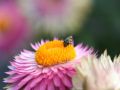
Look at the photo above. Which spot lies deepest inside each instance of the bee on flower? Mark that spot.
(67, 41)
(49, 67)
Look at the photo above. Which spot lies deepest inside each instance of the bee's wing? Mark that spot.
(70, 37)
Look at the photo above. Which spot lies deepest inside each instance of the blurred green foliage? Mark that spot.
(102, 29)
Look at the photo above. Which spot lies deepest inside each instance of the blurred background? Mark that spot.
(94, 22)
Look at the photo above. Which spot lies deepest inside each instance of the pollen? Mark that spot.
(54, 52)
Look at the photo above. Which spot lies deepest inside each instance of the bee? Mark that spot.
(67, 41)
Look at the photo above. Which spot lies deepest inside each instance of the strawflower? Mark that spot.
(13, 27)
(49, 67)
(97, 74)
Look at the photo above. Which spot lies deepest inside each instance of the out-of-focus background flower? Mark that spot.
(94, 22)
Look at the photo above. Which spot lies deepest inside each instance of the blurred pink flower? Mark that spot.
(56, 17)
(50, 67)
(13, 27)
(97, 74)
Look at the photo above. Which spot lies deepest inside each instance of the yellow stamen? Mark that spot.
(54, 52)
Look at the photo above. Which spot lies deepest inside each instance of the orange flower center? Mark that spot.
(54, 52)
(5, 23)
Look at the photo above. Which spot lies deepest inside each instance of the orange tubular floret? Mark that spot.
(54, 52)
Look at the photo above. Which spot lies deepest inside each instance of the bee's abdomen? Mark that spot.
(65, 44)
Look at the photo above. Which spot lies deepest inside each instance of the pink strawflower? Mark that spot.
(13, 27)
(50, 67)
(56, 16)
(97, 74)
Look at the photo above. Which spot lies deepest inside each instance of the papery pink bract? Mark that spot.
(27, 74)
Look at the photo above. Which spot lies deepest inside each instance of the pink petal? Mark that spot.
(56, 80)
(62, 87)
(54, 69)
(60, 74)
(42, 42)
(12, 79)
(14, 86)
(66, 81)
(13, 64)
(37, 87)
(11, 67)
(51, 85)
(33, 46)
(60, 68)
(64, 71)
(51, 76)
(37, 45)
(46, 70)
(17, 76)
(86, 47)
(46, 40)
(45, 75)
(27, 51)
(55, 38)
(25, 80)
(47, 80)
(69, 74)
(72, 71)
(27, 87)
(37, 72)
(50, 72)
(36, 80)
(78, 46)
(10, 72)
(43, 85)
(72, 42)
